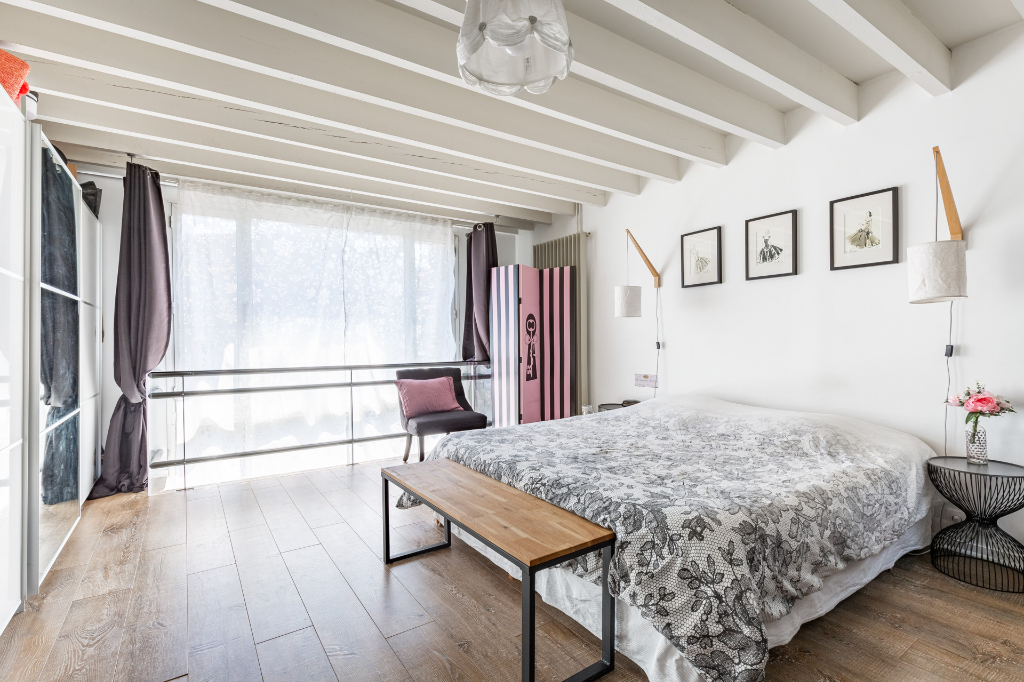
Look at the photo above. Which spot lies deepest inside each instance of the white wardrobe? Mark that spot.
(50, 335)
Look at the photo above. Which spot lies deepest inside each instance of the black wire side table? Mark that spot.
(977, 551)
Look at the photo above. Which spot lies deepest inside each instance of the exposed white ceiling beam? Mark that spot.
(359, 175)
(95, 157)
(73, 81)
(226, 160)
(194, 29)
(723, 32)
(152, 65)
(621, 65)
(890, 29)
(406, 41)
(629, 68)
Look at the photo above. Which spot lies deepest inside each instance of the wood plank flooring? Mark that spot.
(281, 579)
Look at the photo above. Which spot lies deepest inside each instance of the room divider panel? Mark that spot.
(533, 314)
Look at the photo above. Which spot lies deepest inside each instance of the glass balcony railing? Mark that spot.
(216, 426)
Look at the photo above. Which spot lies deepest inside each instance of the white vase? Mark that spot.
(977, 445)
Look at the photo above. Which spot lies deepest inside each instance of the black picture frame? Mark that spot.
(718, 253)
(893, 255)
(746, 236)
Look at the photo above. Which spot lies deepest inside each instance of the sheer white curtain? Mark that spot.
(269, 281)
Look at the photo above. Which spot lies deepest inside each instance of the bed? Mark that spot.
(734, 524)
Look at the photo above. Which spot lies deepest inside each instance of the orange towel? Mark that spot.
(12, 75)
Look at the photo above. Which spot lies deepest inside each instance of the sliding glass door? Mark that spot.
(63, 358)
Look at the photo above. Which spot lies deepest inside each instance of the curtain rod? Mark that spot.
(455, 221)
(120, 177)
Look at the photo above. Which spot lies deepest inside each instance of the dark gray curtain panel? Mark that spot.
(481, 256)
(142, 329)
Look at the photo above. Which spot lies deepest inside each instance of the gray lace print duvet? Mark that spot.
(724, 514)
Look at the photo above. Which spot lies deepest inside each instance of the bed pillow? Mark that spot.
(424, 396)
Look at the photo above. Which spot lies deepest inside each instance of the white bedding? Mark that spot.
(581, 600)
(725, 515)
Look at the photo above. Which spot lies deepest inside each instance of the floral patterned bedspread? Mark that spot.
(724, 514)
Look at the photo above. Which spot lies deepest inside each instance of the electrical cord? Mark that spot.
(949, 384)
(657, 337)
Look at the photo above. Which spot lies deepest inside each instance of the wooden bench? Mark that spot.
(529, 532)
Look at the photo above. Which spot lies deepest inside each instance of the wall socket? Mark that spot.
(645, 380)
(950, 516)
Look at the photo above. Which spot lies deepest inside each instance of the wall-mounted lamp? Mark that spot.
(937, 271)
(627, 298)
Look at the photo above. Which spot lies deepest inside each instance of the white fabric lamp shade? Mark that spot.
(627, 301)
(937, 271)
(508, 45)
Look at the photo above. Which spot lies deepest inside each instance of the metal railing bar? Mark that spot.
(271, 451)
(290, 370)
(156, 395)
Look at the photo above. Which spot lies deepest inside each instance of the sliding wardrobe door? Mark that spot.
(12, 341)
(54, 362)
(90, 323)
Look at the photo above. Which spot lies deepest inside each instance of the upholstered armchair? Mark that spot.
(439, 422)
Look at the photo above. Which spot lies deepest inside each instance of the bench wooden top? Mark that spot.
(530, 529)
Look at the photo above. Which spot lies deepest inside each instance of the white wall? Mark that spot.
(842, 342)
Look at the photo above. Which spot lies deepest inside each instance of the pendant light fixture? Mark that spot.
(937, 271)
(508, 45)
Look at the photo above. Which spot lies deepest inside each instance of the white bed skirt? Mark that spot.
(637, 639)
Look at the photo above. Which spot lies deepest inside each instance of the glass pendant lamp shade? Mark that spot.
(627, 301)
(937, 271)
(508, 45)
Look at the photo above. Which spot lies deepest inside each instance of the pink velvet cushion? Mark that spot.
(424, 396)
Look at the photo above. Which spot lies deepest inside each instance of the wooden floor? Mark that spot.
(281, 579)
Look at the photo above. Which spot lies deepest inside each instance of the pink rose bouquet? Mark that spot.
(980, 403)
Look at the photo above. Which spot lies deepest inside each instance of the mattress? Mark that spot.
(725, 515)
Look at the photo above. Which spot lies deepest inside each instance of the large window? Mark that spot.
(263, 281)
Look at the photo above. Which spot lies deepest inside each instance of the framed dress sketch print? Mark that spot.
(864, 230)
(771, 245)
(702, 257)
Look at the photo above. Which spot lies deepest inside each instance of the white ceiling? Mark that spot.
(956, 22)
(360, 100)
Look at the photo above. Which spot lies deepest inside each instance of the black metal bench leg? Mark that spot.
(607, 611)
(390, 558)
(387, 523)
(529, 618)
(607, 662)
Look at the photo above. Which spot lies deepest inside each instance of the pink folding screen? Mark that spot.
(558, 383)
(532, 322)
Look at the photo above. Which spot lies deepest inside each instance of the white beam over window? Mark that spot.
(356, 174)
(196, 77)
(52, 78)
(890, 29)
(221, 158)
(99, 147)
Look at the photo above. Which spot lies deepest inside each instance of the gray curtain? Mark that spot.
(142, 329)
(482, 255)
